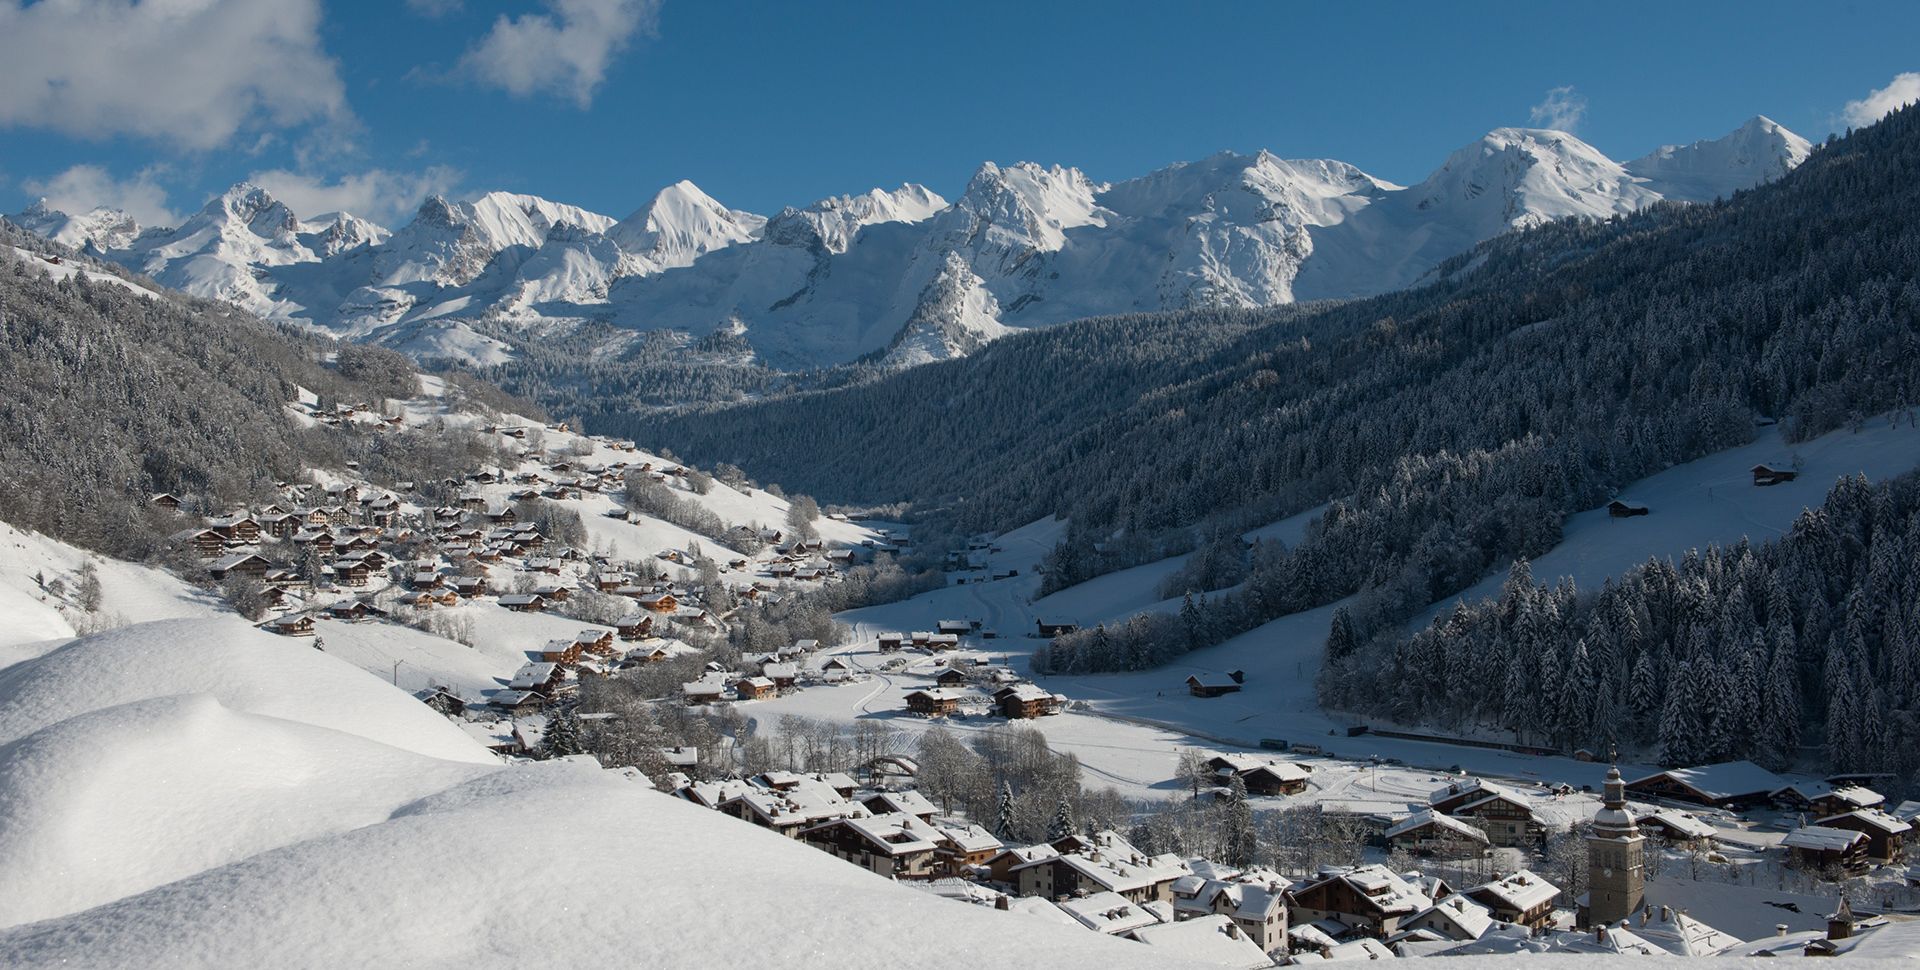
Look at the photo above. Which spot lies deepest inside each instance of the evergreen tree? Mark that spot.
(563, 736)
(1063, 823)
(1004, 824)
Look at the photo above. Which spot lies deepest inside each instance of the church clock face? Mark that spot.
(1606, 872)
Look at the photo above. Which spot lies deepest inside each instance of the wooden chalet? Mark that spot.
(891, 642)
(165, 500)
(541, 677)
(1731, 784)
(896, 846)
(297, 625)
(1886, 835)
(517, 702)
(634, 626)
(1822, 850)
(598, 642)
(240, 528)
(1048, 630)
(951, 677)
(351, 572)
(938, 702)
(662, 602)
(1426, 831)
(524, 602)
(208, 543)
(347, 610)
(1214, 687)
(470, 586)
(1022, 701)
(1765, 474)
(1373, 900)
(1505, 817)
(754, 688)
(564, 652)
(1261, 775)
(1620, 509)
(1523, 899)
(247, 564)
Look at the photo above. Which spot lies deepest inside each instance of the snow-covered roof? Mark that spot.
(1470, 918)
(1822, 839)
(1684, 823)
(1384, 888)
(1428, 816)
(1520, 891)
(1872, 818)
(1211, 940)
(1108, 912)
(909, 802)
(1682, 935)
(1729, 779)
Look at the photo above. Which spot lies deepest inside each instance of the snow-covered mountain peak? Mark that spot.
(1758, 151)
(244, 207)
(680, 224)
(956, 315)
(336, 232)
(1026, 205)
(1523, 177)
(102, 227)
(832, 222)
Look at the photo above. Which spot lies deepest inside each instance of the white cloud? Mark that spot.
(191, 72)
(1562, 110)
(83, 188)
(1904, 89)
(565, 52)
(434, 8)
(377, 194)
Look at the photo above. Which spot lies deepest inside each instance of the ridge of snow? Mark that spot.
(1758, 151)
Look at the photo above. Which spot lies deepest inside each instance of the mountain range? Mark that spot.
(899, 276)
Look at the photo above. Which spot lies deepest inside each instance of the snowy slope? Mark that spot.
(30, 614)
(1758, 151)
(183, 795)
(852, 276)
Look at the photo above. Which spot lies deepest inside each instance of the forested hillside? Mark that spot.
(109, 394)
(1451, 426)
(1731, 653)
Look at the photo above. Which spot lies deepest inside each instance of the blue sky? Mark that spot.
(600, 102)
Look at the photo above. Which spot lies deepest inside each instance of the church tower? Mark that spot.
(1616, 859)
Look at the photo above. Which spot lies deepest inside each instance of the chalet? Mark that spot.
(897, 846)
(1021, 701)
(940, 642)
(754, 688)
(890, 642)
(1522, 898)
(1255, 902)
(1103, 862)
(908, 802)
(1454, 918)
(1262, 776)
(297, 625)
(1213, 687)
(347, 610)
(958, 628)
(836, 665)
(659, 602)
(207, 542)
(960, 848)
(919, 638)
(1624, 510)
(784, 676)
(166, 500)
(781, 570)
(1050, 630)
(1372, 900)
(281, 526)
(1213, 941)
(1677, 828)
(1732, 784)
(951, 677)
(553, 592)
(541, 677)
(247, 564)
(319, 540)
(470, 586)
(516, 702)
(1108, 913)
(938, 702)
(789, 812)
(524, 602)
(634, 626)
(1426, 830)
(443, 701)
(240, 528)
(806, 646)
(1765, 474)
(1818, 849)
(595, 641)
(563, 652)
(1886, 836)
(703, 692)
(1826, 798)
(652, 654)
(351, 572)
(1505, 817)
(608, 582)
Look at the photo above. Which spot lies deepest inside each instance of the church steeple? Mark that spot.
(1616, 858)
